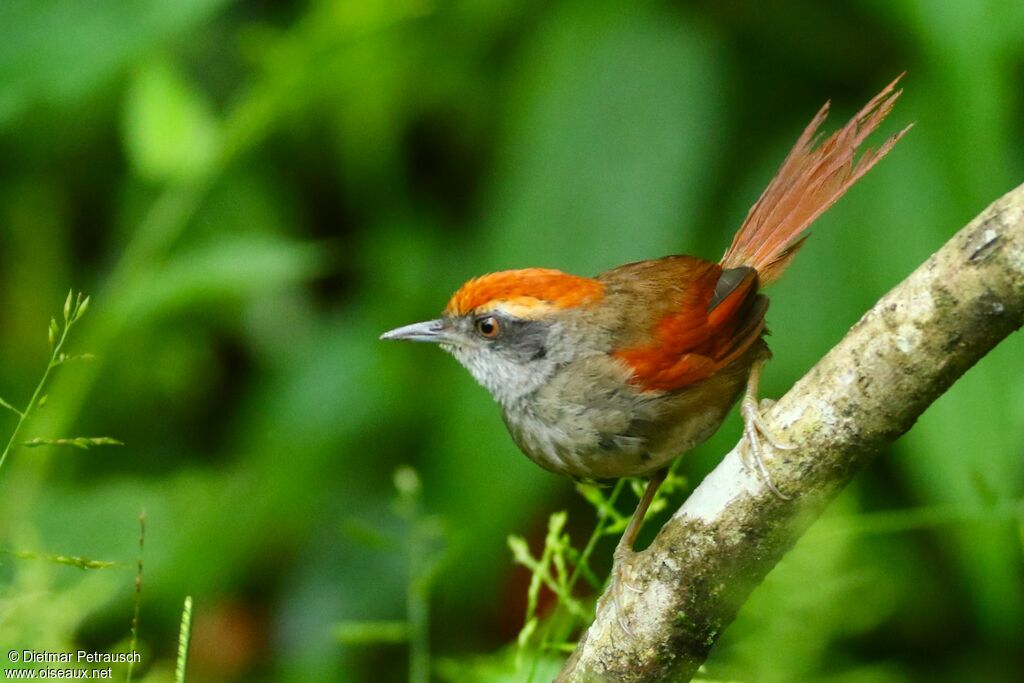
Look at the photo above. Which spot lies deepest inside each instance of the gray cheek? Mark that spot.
(514, 365)
(524, 342)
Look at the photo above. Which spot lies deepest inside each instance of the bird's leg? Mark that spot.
(624, 550)
(756, 432)
(625, 546)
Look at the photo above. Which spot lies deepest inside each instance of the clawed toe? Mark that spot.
(617, 585)
(756, 433)
(752, 449)
(620, 618)
(751, 453)
(622, 558)
(754, 416)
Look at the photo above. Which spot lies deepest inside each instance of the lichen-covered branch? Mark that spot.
(900, 357)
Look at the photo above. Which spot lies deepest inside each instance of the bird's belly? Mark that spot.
(575, 445)
(617, 432)
(581, 451)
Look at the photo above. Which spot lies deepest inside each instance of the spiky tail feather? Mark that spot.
(810, 180)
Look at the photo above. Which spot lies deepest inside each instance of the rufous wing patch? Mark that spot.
(692, 343)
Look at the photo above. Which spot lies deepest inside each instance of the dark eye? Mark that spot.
(488, 327)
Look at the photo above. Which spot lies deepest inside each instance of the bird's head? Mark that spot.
(510, 329)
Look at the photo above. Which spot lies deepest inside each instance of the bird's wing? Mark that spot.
(685, 319)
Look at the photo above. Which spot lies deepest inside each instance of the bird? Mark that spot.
(617, 375)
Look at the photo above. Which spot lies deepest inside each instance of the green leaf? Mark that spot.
(170, 131)
(69, 560)
(83, 442)
(67, 305)
(231, 268)
(521, 551)
(82, 307)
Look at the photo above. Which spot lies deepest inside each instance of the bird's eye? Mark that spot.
(488, 327)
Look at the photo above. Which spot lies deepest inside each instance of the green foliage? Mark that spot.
(75, 306)
(83, 442)
(170, 131)
(560, 567)
(80, 562)
(256, 190)
(421, 539)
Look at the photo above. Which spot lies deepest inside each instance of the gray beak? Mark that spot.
(429, 331)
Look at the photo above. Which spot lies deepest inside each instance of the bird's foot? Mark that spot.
(756, 433)
(619, 587)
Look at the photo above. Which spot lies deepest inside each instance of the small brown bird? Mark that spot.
(617, 375)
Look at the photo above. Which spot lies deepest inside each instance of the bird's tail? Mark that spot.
(810, 180)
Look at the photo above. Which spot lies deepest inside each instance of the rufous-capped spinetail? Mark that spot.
(619, 374)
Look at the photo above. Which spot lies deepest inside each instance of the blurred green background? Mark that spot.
(253, 191)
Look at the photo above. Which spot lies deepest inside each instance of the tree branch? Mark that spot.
(867, 391)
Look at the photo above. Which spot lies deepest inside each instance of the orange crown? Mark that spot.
(525, 293)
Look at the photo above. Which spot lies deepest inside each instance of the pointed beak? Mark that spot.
(429, 331)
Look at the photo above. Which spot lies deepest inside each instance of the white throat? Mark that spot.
(506, 379)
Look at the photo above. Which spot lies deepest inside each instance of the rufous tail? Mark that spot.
(810, 180)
